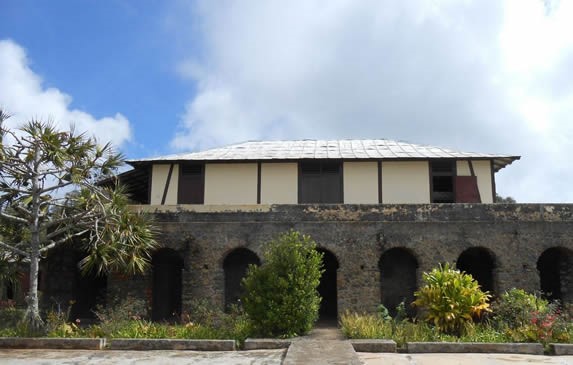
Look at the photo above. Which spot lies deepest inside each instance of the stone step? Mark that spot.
(321, 352)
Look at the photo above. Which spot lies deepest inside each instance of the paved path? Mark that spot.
(462, 359)
(107, 357)
(325, 345)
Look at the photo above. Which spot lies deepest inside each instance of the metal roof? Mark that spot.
(346, 149)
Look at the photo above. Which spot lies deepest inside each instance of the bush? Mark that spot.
(527, 317)
(451, 299)
(281, 295)
(118, 316)
(515, 308)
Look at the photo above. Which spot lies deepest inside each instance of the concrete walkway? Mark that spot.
(325, 345)
(462, 359)
(158, 357)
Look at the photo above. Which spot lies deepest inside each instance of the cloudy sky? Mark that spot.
(158, 77)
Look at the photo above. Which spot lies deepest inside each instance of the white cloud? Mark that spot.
(23, 95)
(486, 76)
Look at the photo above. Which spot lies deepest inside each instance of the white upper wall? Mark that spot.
(405, 182)
(231, 183)
(360, 182)
(279, 183)
(160, 173)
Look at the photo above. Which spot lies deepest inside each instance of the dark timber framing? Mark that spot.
(493, 192)
(379, 164)
(259, 182)
(167, 183)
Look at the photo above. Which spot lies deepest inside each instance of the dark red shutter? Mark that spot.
(467, 189)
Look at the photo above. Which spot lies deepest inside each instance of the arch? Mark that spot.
(167, 267)
(235, 266)
(327, 289)
(555, 273)
(62, 281)
(398, 278)
(89, 292)
(479, 262)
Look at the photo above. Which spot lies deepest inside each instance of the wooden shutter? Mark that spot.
(331, 183)
(467, 189)
(191, 184)
(310, 182)
(320, 182)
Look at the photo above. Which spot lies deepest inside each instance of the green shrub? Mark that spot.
(118, 316)
(10, 316)
(515, 308)
(527, 317)
(450, 299)
(281, 295)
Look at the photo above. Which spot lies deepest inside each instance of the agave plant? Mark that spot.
(451, 299)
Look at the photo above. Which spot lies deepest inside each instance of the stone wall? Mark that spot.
(515, 235)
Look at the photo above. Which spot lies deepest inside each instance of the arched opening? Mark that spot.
(479, 263)
(398, 279)
(554, 267)
(327, 288)
(62, 282)
(167, 274)
(89, 292)
(235, 266)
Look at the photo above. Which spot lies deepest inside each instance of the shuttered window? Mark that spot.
(320, 182)
(191, 184)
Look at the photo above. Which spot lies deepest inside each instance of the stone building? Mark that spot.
(382, 212)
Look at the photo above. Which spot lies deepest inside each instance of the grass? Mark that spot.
(372, 326)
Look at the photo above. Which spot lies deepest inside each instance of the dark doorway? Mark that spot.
(479, 263)
(89, 292)
(398, 279)
(554, 266)
(167, 275)
(327, 288)
(64, 283)
(235, 266)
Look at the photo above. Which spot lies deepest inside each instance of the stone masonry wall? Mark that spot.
(516, 235)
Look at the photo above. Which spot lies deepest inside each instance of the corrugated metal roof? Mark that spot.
(347, 149)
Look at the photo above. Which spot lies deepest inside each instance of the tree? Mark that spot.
(281, 295)
(506, 200)
(49, 191)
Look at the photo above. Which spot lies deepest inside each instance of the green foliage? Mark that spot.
(368, 326)
(37, 166)
(527, 317)
(450, 299)
(58, 324)
(506, 200)
(516, 307)
(383, 313)
(281, 295)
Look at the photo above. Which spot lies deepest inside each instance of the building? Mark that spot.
(309, 171)
(381, 211)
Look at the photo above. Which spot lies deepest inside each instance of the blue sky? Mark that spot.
(110, 56)
(158, 77)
